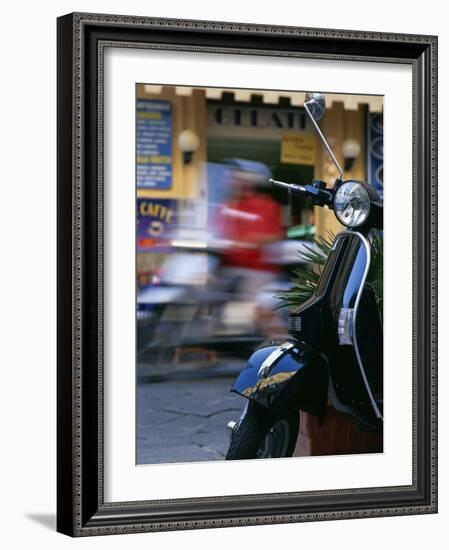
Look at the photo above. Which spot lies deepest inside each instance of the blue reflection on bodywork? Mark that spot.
(355, 278)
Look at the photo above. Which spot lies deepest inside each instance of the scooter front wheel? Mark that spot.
(260, 435)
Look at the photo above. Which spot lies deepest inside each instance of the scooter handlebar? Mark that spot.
(316, 191)
(289, 186)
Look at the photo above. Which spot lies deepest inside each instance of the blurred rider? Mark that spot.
(251, 219)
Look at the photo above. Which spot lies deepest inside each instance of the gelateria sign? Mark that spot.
(262, 118)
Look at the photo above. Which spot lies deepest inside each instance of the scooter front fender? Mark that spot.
(284, 376)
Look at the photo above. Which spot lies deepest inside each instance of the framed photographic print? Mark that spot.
(247, 281)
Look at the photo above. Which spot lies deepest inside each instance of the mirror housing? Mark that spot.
(316, 105)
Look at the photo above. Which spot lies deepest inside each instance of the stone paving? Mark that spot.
(182, 418)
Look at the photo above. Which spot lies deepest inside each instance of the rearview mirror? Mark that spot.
(316, 105)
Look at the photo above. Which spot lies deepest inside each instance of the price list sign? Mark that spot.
(154, 144)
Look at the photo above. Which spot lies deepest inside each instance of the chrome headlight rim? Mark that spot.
(365, 190)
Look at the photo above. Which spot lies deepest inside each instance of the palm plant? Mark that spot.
(305, 280)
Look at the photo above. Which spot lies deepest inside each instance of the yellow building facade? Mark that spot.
(345, 119)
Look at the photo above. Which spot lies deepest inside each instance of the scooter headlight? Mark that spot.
(352, 204)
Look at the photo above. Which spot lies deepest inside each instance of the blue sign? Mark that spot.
(154, 144)
(376, 151)
(154, 218)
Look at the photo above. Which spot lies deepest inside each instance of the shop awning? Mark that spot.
(351, 102)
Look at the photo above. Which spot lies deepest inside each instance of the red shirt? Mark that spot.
(264, 223)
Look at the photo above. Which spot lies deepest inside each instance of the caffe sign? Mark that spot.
(154, 217)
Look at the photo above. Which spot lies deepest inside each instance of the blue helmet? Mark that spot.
(256, 171)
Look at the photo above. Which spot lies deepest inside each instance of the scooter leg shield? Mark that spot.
(285, 376)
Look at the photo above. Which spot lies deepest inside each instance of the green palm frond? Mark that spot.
(305, 279)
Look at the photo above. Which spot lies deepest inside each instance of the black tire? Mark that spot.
(249, 440)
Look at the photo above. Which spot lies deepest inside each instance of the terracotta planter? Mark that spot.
(337, 435)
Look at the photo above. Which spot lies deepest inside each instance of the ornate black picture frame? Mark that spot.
(81, 510)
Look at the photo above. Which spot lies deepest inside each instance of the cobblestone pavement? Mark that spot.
(183, 418)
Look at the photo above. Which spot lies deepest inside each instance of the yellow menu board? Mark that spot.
(298, 148)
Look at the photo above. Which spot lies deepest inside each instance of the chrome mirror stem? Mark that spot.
(323, 139)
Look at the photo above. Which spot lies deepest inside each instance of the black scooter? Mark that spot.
(334, 350)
